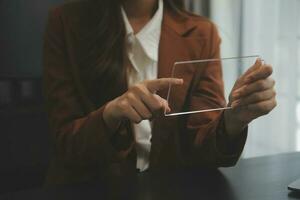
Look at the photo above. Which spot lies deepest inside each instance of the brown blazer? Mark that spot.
(85, 149)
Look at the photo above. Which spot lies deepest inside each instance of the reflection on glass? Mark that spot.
(207, 98)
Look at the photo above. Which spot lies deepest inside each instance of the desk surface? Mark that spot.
(264, 178)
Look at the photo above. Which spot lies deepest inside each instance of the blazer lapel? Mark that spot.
(175, 45)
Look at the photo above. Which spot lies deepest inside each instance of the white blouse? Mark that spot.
(143, 52)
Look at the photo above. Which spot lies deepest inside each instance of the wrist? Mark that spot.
(111, 121)
(233, 125)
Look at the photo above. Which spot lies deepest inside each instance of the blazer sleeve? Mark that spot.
(81, 139)
(206, 131)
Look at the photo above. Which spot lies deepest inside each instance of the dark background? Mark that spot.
(25, 142)
(22, 26)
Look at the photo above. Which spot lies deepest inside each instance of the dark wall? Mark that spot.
(21, 31)
(24, 135)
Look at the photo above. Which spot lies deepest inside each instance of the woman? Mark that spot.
(106, 63)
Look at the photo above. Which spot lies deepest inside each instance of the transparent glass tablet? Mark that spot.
(206, 97)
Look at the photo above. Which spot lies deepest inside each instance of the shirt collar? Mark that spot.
(149, 36)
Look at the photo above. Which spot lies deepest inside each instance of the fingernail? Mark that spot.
(258, 59)
(248, 79)
(241, 89)
(235, 103)
(236, 94)
(178, 81)
(168, 109)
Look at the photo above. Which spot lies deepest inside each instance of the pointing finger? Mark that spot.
(162, 83)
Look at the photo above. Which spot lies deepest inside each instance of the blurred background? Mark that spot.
(270, 28)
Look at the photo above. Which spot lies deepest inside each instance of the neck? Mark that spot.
(140, 9)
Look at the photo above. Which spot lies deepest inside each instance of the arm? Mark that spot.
(209, 141)
(81, 137)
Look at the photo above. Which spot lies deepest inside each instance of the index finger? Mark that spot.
(162, 83)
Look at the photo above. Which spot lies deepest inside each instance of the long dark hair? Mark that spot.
(103, 48)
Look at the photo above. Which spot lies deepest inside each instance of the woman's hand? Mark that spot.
(139, 103)
(252, 96)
